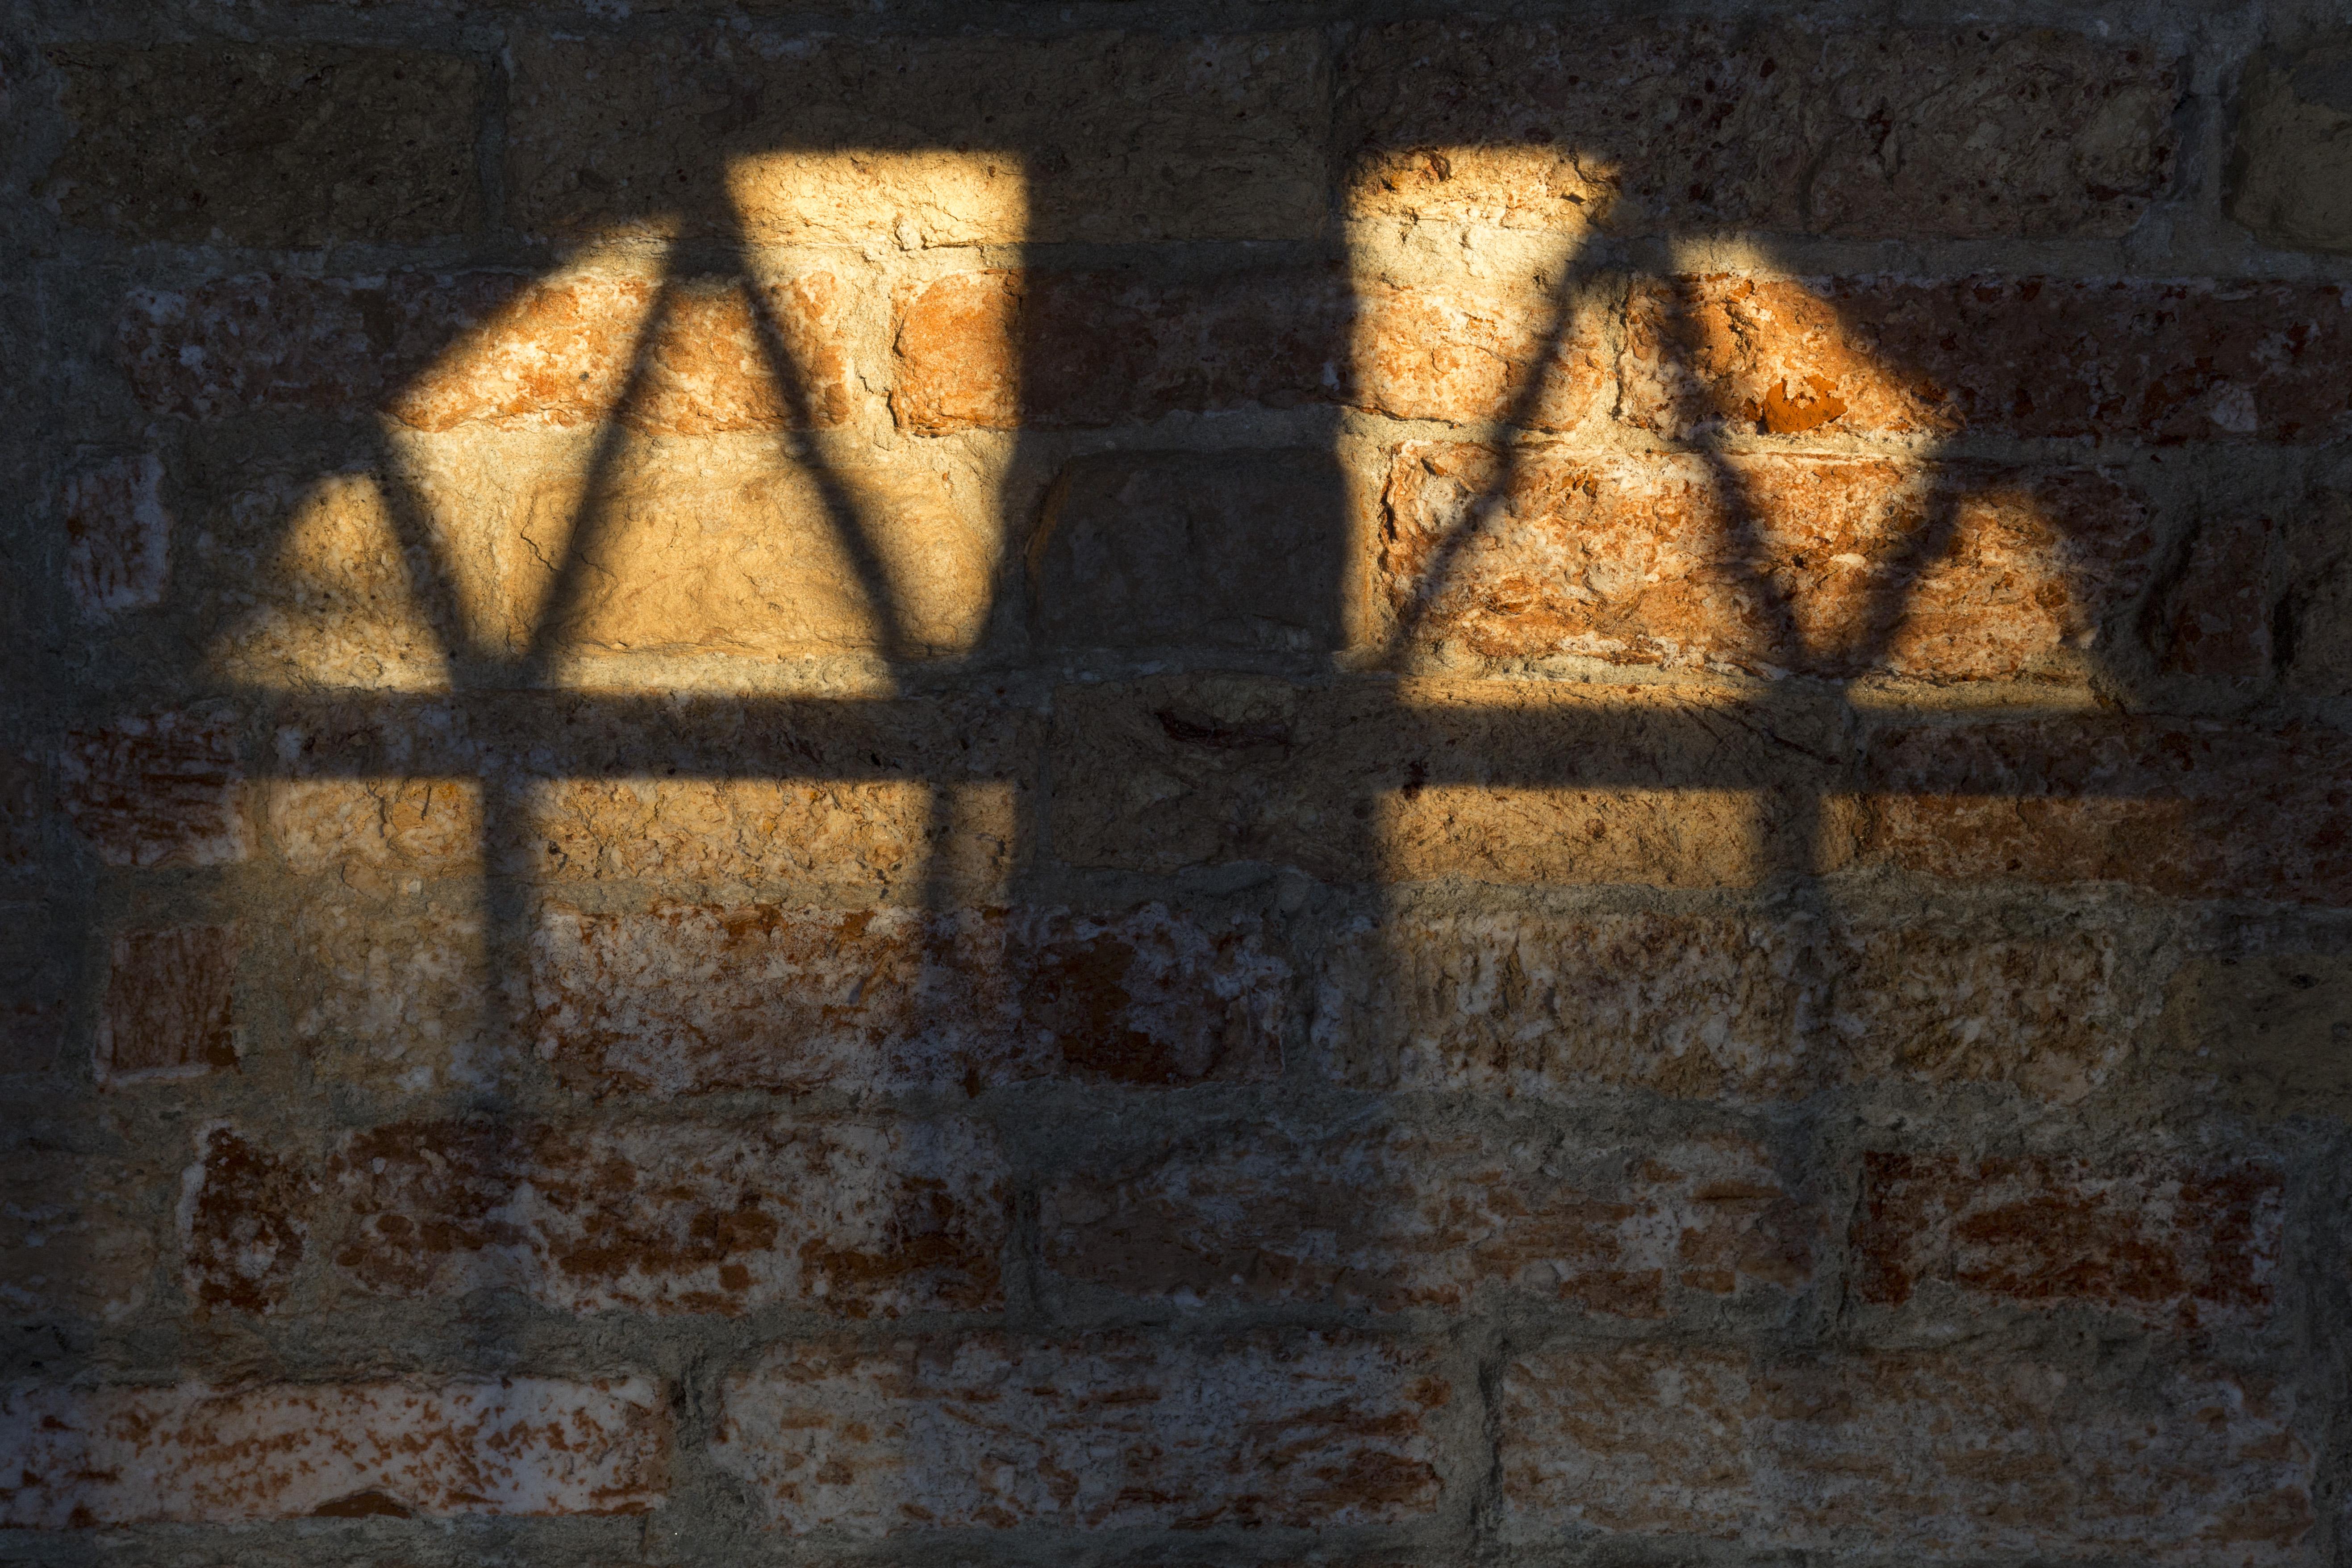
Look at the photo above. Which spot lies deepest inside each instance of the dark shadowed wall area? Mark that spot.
(1174, 784)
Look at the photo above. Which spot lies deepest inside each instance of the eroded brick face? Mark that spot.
(159, 789)
(244, 1219)
(1405, 1218)
(692, 998)
(171, 1006)
(2171, 1242)
(195, 1454)
(1939, 1454)
(119, 536)
(1276, 1429)
(837, 1216)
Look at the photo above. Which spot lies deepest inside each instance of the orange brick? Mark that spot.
(2173, 1243)
(192, 1453)
(2123, 359)
(158, 789)
(1399, 1219)
(1277, 1429)
(170, 1009)
(2188, 808)
(704, 1217)
(1767, 564)
(688, 998)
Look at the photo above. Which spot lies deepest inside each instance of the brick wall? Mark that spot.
(1163, 784)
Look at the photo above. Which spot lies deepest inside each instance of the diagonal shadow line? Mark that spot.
(1583, 267)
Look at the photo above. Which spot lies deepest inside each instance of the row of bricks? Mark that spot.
(1948, 1456)
(1498, 782)
(1096, 136)
(690, 999)
(865, 1218)
(2158, 360)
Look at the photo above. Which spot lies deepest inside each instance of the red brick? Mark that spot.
(1766, 565)
(244, 1222)
(2214, 619)
(158, 789)
(2188, 808)
(191, 1454)
(1397, 1219)
(170, 1009)
(1003, 350)
(118, 536)
(2171, 1243)
(2154, 361)
(657, 1216)
(1950, 1456)
(690, 998)
(1287, 1430)
(1679, 127)
(441, 353)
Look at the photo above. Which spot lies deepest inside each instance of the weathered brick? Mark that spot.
(2188, 808)
(1674, 127)
(2215, 615)
(1824, 565)
(192, 1454)
(1100, 137)
(1398, 1218)
(685, 998)
(691, 357)
(35, 990)
(2314, 619)
(158, 789)
(2171, 1242)
(394, 995)
(285, 146)
(118, 536)
(1706, 1007)
(654, 1216)
(788, 561)
(169, 1008)
(1105, 1432)
(2160, 360)
(244, 1221)
(2290, 174)
(73, 1242)
(1003, 350)
(1238, 550)
(1950, 1456)
(2264, 1032)
(1497, 781)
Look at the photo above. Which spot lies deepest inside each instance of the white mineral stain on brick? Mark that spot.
(1942, 1455)
(697, 998)
(158, 789)
(196, 1454)
(1109, 1431)
(118, 536)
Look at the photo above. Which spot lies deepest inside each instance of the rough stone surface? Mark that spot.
(2265, 1032)
(1282, 1430)
(2219, 615)
(188, 1453)
(2189, 808)
(1399, 1217)
(652, 1216)
(2171, 1242)
(1164, 549)
(73, 1244)
(278, 147)
(170, 1009)
(685, 998)
(2122, 359)
(1937, 1453)
(118, 536)
(1715, 1007)
(1100, 136)
(1824, 565)
(2291, 157)
(158, 789)
(1668, 127)
(1500, 781)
